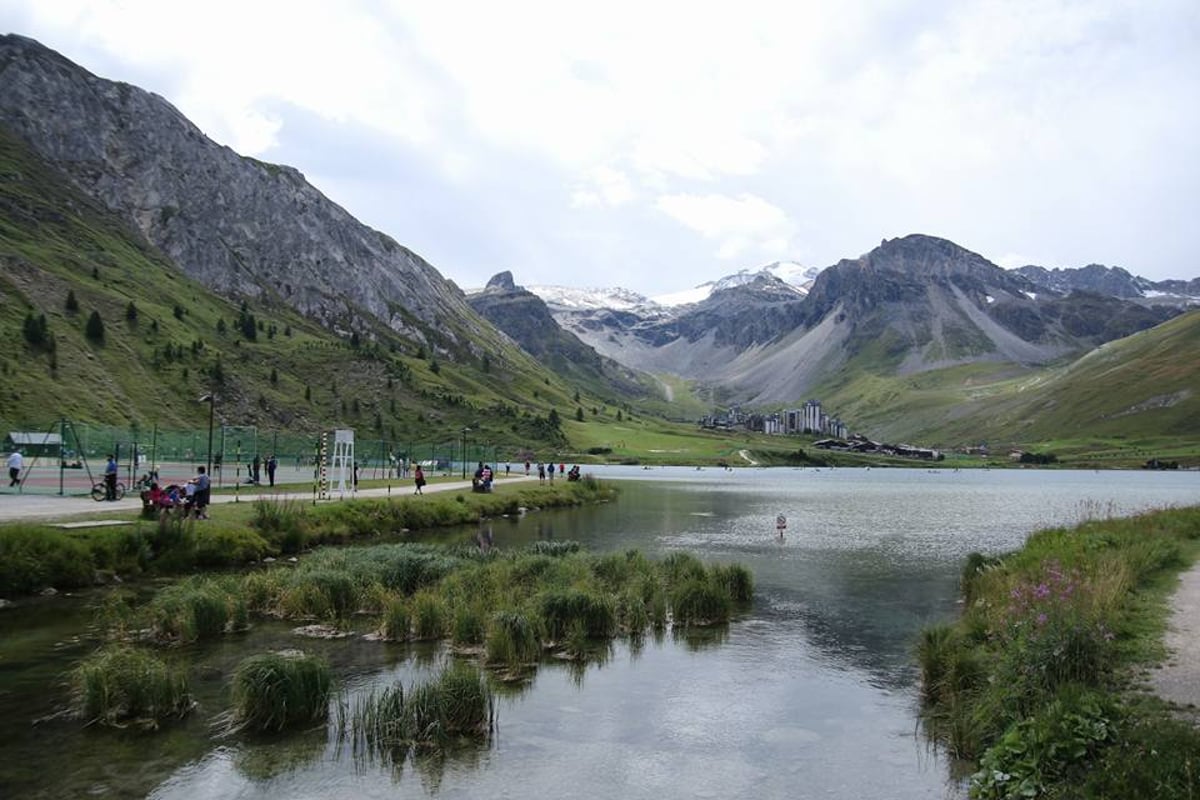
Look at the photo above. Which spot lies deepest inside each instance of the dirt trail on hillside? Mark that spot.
(1178, 680)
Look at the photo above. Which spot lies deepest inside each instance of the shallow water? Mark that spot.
(810, 693)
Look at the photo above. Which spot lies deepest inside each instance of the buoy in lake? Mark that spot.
(780, 524)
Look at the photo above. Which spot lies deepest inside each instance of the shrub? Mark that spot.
(221, 546)
(33, 557)
(1053, 745)
(1052, 633)
(122, 683)
(274, 691)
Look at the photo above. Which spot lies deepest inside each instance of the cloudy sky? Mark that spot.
(657, 145)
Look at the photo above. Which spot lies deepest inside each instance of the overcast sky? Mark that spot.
(658, 145)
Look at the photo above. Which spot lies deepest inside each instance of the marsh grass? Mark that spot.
(274, 691)
(458, 706)
(1027, 680)
(122, 685)
(198, 608)
(396, 625)
(699, 601)
(513, 640)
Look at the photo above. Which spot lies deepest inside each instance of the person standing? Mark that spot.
(419, 479)
(15, 464)
(550, 471)
(272, 465)
(257, 465)
(110, 477)
(203, 492)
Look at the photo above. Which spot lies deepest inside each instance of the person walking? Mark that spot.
(110, 477)
(15, 464)
(272, 465)
(419, 479)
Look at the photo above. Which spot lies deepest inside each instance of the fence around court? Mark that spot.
(73, 466)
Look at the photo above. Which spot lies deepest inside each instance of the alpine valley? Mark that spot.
(208, 269)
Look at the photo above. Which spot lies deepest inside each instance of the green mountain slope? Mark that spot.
(167, 340)
(1142, 386)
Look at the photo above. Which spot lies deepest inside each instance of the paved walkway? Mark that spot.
(40, 507)
(1178, 681)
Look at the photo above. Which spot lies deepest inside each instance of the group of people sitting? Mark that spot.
(482, 480)
(189, 498)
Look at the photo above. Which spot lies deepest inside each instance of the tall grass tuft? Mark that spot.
(736, 580)
(191, 610)
(429, 616)
(697, 601)
(513, 640)
(274, 691)
(457, 705)
(120, 684)
(283, 522)
(396, 625)
(564, 609)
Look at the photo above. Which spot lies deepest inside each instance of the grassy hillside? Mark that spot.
(167, 341)
(1127, 400)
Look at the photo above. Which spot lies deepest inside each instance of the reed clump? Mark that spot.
(121, 685)
(274, 691)
(458, 706)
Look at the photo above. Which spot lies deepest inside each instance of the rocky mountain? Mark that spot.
(1112, 282)
(240, 226)
(913, 304)
(525, 318)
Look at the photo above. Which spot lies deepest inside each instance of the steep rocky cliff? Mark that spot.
(525, 318)
(240, 226)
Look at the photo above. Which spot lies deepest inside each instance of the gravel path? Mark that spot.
(1178, 681)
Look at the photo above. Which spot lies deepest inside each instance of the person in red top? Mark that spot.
(419, 479)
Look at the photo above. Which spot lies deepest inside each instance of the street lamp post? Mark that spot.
(465, 431)
(211, 399)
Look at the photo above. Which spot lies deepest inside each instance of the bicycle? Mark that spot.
(100, 491)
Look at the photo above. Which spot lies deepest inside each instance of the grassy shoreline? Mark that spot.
(1039, 682)
(35, 556)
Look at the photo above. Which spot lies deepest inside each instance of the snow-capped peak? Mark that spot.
(572, 299)
(796, 275)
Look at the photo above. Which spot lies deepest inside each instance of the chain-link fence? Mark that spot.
(66, 457)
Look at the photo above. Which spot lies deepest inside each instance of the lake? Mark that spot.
(809, 693)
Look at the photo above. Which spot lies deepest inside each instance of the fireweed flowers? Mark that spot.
(1052, 632)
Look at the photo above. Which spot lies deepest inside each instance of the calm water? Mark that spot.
(811, 693)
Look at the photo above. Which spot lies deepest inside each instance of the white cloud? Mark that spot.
(1030, 126)
(741, 225)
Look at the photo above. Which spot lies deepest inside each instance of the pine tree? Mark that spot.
(72, 305)
(579, 414)
(274, 376)
(94, 330)
(131, 313)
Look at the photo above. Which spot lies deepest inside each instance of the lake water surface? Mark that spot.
(810, 693)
